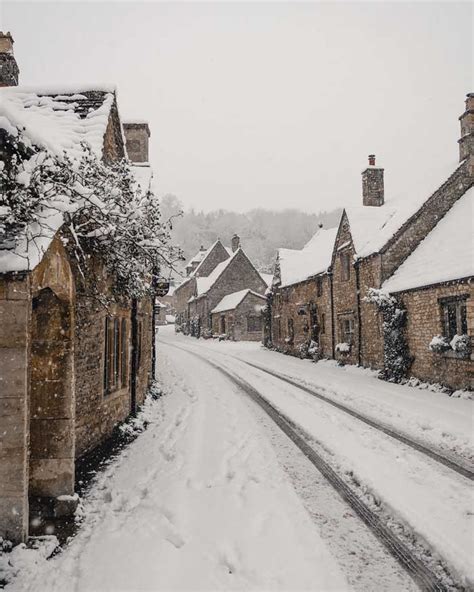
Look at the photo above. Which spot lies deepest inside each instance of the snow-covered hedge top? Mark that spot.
(54, 118)
(296, 266)
(445, 254)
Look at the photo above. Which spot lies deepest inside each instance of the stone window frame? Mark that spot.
(345, 261)
(116, 354)
(346, 328)
(460, 311)
(322, 324)
(254, 321)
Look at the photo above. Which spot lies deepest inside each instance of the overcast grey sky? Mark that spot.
(266, 104)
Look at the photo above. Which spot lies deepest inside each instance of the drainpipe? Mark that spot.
(359, 328)
(153, 337)
(333, 336)
(133, 370)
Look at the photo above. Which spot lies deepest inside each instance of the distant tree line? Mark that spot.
(261, 231)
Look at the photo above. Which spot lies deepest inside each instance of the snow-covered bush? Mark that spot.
(461, 344)
(343, 348)
(439, 344)
(103, 209)
(397, 359)
(206, 333)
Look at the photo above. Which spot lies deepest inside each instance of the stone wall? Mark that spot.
(372, 339)
(297, 302)
(15, 313)
(236, 320)
(424, 321)
(98, 411)
(217, 255)
(136, 136)
(240, 274)
(345, 294)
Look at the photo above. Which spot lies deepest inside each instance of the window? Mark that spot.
(291, 330)
(254, 324)
(345, 266)
(223, 328)
(454, 318)
(347, 330)
(323, 324)
(115, 354)
(139, 344)
(319, 286)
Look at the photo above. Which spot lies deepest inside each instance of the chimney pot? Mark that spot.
(372, 184)
(136, 138)
(235, 242)
(466, 141)
(8, 67)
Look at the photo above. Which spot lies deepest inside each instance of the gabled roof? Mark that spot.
(232, 301)
(58, 119)
(446, 254)
(203, 284)
(315, 257)
(372, 228)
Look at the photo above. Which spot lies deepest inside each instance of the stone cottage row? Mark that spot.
(392, 287)
(75, 359)
(222, 295)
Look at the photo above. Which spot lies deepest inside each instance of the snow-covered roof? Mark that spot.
(58, 119)
(372, 227)
(198, 257)
(233, 300)
(297, 266)
(267, 278)
(446, 254)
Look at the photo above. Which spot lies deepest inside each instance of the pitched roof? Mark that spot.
(231, 301)
(446, 254)
(373, 227)
(315, 257)
(203, 284)
(58, 119)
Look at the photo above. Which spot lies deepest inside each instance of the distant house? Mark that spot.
(214, 273)
(232, 275)
(238, 316)
(301, 312)
(76, 359)
(378, 245)
(201, 265)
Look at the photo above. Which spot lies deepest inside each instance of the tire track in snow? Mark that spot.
(459, 466)
(425, 578)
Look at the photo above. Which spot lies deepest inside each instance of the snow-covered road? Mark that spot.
(213, 496)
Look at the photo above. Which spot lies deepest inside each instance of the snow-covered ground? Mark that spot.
(434, 502)
(197, 502)
(213, 496)
(430, 416)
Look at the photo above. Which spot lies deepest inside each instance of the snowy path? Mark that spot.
(436, 504)
(198, 502)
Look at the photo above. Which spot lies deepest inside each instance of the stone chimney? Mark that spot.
(372, 184)
(8, 67)
(466, 142)
(235, 242)
(136, 138)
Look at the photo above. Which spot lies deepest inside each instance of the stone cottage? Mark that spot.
(232, 275)
(238, 316)
(74, 360)
(201, 265)
(372, 242)
(301, 309)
